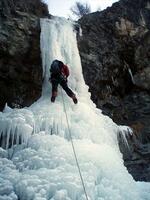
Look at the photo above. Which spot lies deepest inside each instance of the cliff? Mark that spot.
(20, 61)
(115, 54)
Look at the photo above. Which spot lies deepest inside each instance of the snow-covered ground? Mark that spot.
(43, 166)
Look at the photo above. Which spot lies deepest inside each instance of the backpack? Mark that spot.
(56, 67)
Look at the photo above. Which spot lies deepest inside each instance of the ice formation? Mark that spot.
(40, 165)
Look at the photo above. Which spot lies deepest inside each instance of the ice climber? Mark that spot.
(58, 75)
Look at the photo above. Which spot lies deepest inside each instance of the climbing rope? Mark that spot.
(74, 152)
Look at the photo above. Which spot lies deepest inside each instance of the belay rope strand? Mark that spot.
(74, 152)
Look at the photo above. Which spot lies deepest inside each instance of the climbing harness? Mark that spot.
(74, 152)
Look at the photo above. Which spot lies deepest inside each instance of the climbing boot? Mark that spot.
(54, 95)
(74, 99)
(53, 99)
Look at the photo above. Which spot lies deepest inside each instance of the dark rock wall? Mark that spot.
(20, 61)
(115, 55)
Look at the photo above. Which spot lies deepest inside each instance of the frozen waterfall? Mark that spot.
(40, 164)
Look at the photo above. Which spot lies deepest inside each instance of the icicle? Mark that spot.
(17, 134)
(124, 133)
(8, 134)
(27, 131)
(57, 130)
(132, 78)
(7, 109)
(13, 131)
(1, 132)
(34, 127)
(4, 132)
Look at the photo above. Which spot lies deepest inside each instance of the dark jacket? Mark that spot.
(60, 76)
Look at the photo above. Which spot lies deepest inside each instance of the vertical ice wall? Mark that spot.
(58, 41)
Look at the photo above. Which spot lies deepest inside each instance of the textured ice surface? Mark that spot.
(41, 164)
(15, 126)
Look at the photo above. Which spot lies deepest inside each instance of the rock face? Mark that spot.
(115, 55)
(20, 61)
